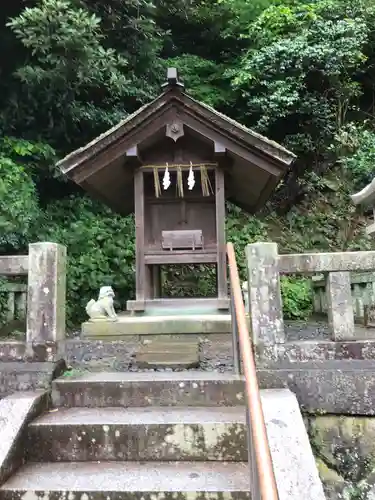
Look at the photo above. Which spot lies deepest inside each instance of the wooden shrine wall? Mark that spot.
(170, 211)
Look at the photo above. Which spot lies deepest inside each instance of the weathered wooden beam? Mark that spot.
(180, 257)
(236, 148)
(139, 212)
(118, 148)
(14, 265)
(183, 166)
(220, 234)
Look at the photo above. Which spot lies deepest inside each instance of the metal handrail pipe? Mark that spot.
(266, 476)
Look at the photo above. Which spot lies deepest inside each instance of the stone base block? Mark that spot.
(337, 387)
(181, 353)
(19, 350)
(23, 376)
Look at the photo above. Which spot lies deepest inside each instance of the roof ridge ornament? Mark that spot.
(172, 80)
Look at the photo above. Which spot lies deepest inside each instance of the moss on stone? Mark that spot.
(344, 447)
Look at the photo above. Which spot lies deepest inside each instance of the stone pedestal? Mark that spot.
(46, 293)
(266, 312)
(340, 308)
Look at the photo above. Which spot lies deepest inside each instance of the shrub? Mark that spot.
(18, 204)
(100, 247)
(297, 297)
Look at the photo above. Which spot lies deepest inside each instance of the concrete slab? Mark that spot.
(293, 461)
(130, 481)
(158, 325)
(16, 411)
(191, 388)
(89, 434)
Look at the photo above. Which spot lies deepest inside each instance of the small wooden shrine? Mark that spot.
(174, 162)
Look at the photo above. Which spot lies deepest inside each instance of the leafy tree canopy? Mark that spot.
(299, 71)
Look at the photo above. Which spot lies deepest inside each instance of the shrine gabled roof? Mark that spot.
(251, 147)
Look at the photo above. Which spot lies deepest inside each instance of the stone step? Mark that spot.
(90, 434)
(167, 360)
(172, 354)
(127, 389)
(129, 481)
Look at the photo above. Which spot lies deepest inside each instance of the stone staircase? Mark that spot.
(139, 436)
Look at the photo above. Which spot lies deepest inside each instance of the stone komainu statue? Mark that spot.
(102, 309)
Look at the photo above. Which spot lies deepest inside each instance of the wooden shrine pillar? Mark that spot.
(139, 213)
(222, 288)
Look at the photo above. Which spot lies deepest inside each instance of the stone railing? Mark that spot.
(45, 268)
(362, 290)
(265, 266)
(16, 294)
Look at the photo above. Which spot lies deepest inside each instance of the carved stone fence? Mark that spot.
(16, 300)
(45, 268)
(362, 290)
(265, 266)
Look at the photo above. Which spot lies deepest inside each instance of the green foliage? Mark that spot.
(360, 164)
(131, 27)
(242, 229)
(189, 281)
(300, 71)
(297, 297)
(100, 246)
(67, 63)
(18, 204)
(204, 78)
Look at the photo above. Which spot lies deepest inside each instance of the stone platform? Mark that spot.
(171, 339)
(174, 323)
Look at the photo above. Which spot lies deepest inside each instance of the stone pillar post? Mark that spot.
(340, 308)
(46, 293)
(266, 312)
